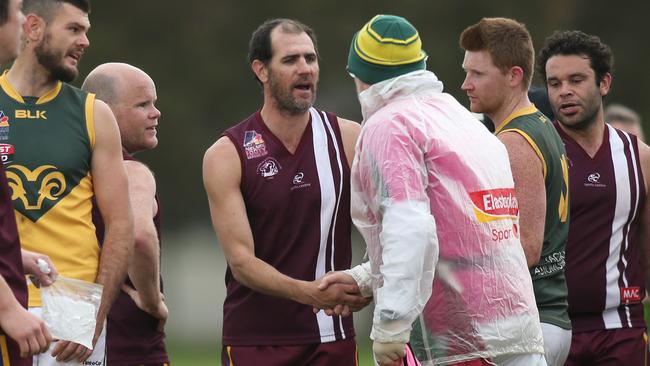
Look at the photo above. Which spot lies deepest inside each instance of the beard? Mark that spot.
(52, 61)
(583, 122)
(284, 98)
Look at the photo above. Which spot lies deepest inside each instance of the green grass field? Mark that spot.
(184, 355)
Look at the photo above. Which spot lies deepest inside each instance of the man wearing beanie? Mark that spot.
(432, 192)
(278, 184)
(498, 64)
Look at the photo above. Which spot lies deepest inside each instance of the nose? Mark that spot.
(565, 90)
(155, 113)
(303, 66)
(466, 85)
(84, 41)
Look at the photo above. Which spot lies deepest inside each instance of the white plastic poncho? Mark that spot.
(432, 189)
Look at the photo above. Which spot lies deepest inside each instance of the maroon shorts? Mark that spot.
(10, 353)
(612, 347)
(340, 353)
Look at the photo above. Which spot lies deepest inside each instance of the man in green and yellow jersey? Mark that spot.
(63, 150)
(499, 59)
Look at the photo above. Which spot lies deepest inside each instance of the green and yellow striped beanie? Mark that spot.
(386, 47)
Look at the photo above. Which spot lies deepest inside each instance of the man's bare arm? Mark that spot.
(222, 178)
(144, 267)
(26, 329)
(528, 174)
(350, 133)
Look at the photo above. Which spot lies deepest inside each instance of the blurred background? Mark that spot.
(195, 50)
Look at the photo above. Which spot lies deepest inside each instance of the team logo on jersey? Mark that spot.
(4, 126)
(630, 295)
(29, 114)
(593, 180)
(299, 181)
(268, 168)
(495, 204)
(6, 153)
(35, 192)
(254, 145)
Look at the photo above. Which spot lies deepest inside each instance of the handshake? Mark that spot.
(338, 293)
(344, 292)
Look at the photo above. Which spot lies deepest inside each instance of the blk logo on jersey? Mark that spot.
(254, 145)
(593, 180)
(268, 168)
(630, 295)
(28, 114)
(6, 153)
(495, 204)
(4, 126)
(299, 181)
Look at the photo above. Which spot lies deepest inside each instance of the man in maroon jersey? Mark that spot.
(279, 193)
(27, 334)
(135, 333)
(608, 250)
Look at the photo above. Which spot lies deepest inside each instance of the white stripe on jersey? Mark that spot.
(328, 205)
(338, 199)
(620, 224)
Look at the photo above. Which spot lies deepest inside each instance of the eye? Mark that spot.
(577, 80)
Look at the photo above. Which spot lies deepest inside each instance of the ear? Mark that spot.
(260, 70)
(34, 27)
(605, 84)
(516, 76)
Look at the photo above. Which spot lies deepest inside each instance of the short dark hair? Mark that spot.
(506, 40)
(574, 42)
(260, 47)
(46, 9)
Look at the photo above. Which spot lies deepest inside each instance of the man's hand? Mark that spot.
(342, 309)
(388, 354)
(66, 351)
(158, 309)
(40, 275)
(28, 330)
(334, 294)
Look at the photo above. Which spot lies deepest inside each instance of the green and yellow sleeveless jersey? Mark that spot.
(47, 154)
(548, 275)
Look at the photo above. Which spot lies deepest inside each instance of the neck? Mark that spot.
(591, 138)
(512, 103)
(28, 77)
(287, 127)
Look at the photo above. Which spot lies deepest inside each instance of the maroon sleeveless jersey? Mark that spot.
(298, 207)
(603, 270)
(132, 335)
(11, 263)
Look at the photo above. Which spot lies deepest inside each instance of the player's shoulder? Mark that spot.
(221, 151)
(349, 126)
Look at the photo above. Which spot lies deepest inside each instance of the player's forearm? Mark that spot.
(113, 261)
(7, 299)
(144, 269)
(262, 277)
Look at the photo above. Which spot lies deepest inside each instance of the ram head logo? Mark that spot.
(33, 188)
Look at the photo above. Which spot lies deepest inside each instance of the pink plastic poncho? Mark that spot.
(432, 189)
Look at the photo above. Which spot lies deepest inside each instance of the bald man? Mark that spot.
(135, 323)
(625, 119)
